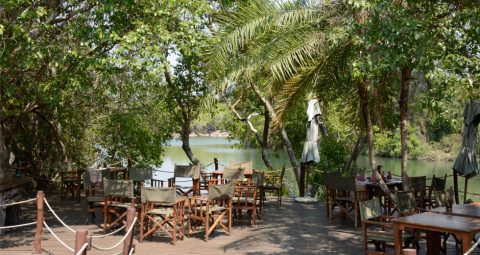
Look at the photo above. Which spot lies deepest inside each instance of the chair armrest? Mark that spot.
(378, 223)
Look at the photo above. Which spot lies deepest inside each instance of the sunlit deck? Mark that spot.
(291, 228)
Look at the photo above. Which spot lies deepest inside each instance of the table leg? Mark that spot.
(433, 242)
(466, 242)
(397, 237)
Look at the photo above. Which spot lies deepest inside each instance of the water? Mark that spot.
(207, 148)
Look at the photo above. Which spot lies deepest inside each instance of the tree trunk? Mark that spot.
(406, 75)
(264, 140)
(357, 148)
(283, 133)
(185, 136)
(4, 154)
(363, 96)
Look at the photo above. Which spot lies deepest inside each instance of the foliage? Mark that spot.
(387, 143)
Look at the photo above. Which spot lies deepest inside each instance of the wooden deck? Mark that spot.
(291, 228)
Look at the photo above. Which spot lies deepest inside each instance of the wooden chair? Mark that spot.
(186, 171)
(212, 211)
(377, 228)
(441, 201)
(345, 194)
(139, 176)
(162, 210)
(70, 182)
(258, 179)
(436, 184)
(118, 197)
(94, 196)
(273, 184)
(418, 185)
(246, 199)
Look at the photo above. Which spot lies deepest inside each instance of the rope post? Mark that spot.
(80, 240)
(127, 244)
(37, 244)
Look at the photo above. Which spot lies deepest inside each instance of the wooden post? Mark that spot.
(80, 240)
(37, 244)
(127, 244)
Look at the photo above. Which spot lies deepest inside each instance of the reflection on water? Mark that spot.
(207, 148)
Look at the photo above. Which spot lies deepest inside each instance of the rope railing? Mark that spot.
(109, 234)
(20, 202)
(56, 216)
(58, 239)
(85, 245)
(131, 251)
(473, 247)
(19, 225)
(121, 241)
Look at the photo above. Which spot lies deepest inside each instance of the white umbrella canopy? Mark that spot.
(310, 153)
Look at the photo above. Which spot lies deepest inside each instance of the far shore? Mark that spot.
(216, 133)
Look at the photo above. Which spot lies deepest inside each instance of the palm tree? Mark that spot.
(283, 50)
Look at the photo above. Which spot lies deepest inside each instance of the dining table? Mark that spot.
(434, 223)
(373, 189)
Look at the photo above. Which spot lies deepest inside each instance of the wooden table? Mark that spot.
(435, 223)
(374, 190)
(468, 210)
(219, 174)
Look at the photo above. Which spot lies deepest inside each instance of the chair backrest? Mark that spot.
(221, 191)
(418, 183)
(187, 171)
(139, 174)
(342, 183)
(258, 177)
(118, 188)
(405, 201)
(370, 209)
(440, 198)
(438, 183)
(247, 165)
(160, 195)
(233, 174)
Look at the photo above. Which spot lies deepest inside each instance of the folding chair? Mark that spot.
(212, 211)
(139, 176)
(418, 184)
(436, 184)
(94, 196)
(118, 197)
(70, 182)
(186, 171)
(346, 195)
(246, 199)
(377, 228)
(162, 210)
(273, 184)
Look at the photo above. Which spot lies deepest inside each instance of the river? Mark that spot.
(207, 148)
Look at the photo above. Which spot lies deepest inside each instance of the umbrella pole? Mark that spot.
(302, 180)
(465, 190)
(455, 184)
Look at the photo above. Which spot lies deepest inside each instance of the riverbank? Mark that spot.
(216, 133)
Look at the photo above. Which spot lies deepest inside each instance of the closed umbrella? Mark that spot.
(466, 163)
(310, 148)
